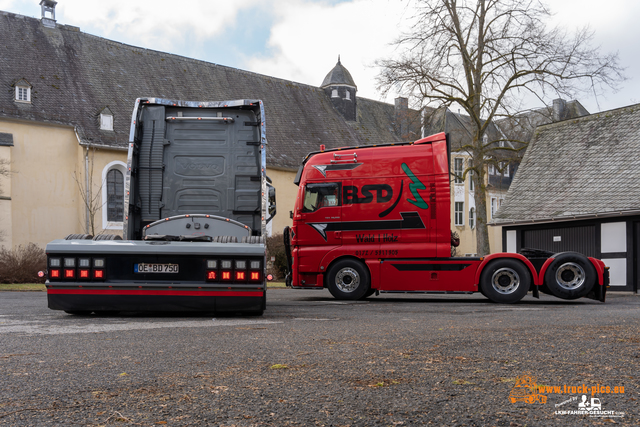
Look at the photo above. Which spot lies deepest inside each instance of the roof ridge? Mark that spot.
(592, 116)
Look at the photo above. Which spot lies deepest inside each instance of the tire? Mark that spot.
(348, 279)
(107, 237)
(505, 281)
(79, 237)
(369, 293)
(570, 276)
(78, 312)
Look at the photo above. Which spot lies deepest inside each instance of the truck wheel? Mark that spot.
(570, 276)
(505, 281)
(348, 279)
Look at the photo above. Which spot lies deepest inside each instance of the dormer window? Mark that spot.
(23, 91)
(106, 119)
(334, 93)
(348, 95)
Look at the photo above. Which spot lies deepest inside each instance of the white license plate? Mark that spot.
(155, 268)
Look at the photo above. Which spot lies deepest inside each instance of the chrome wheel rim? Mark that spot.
(570, 276)
(505, 281)
(347, 280)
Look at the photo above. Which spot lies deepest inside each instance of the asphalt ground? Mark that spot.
(394, 360)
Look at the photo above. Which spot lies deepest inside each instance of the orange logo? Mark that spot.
(526, 390)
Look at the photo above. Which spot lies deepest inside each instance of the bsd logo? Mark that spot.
(383, 193)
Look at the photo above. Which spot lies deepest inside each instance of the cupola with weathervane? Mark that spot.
(339, 86)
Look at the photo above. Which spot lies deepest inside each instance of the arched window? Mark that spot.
(115, 195)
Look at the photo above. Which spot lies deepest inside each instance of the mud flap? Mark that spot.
(286, 235)
(599, 293)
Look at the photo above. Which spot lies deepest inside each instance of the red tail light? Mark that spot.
(98, 274)
(255, 276)
(211, 276)
(54, 274)
(226, 275)
(83, 274)
(241, 275)
(69, 273)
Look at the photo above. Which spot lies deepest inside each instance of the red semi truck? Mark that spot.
(377, 219)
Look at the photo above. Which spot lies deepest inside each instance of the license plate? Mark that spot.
(155, 268)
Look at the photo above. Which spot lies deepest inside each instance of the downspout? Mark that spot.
(87, 192)
(87, 195)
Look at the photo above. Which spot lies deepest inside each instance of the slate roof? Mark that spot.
(75, 75)
(580, 167)
(339, 75)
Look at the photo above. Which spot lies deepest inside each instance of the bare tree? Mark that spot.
(4, 172)
(486, 56)
(90, 192)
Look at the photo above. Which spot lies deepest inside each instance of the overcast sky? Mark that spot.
(300, 40)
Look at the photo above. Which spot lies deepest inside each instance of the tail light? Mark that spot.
(72, 269)
(236, 271)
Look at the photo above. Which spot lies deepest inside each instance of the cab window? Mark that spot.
(317, 196)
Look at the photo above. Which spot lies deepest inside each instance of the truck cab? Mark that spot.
(377, 219)
(197, 201)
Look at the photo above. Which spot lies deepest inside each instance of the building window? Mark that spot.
(458, 165)
(106, 121)
(506, 170)
(472, 218)
(472, 186)
(334, 93)
(459, 213)
(492, 170)
(113, 191)
(23, 94)
(494, 206)
(115, 196)
(347, 95)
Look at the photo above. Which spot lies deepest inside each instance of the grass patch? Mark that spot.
(22, 287)
(276, 285)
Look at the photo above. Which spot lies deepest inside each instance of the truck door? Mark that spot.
(319, 214)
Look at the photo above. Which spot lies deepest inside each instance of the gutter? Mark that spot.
(567, 218)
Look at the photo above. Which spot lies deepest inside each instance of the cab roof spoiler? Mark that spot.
(427, 140)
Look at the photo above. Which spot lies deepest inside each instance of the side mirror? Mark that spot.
(271, 202)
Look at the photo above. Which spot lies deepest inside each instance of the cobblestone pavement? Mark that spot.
(312, 360)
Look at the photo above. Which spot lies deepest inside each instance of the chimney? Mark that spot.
(401, 116)
(48, 7)
(559, 107)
